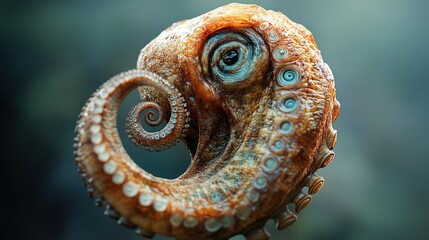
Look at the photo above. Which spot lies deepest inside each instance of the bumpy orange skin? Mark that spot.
(256, 139)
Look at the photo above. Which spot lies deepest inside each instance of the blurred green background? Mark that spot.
(56, 53)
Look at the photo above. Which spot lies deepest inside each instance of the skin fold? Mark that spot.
(247, 91)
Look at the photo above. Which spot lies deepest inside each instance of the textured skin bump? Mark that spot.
(247, 91)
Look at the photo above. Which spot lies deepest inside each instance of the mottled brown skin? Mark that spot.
(257, 129)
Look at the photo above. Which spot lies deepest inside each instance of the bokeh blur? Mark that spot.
(56, 53)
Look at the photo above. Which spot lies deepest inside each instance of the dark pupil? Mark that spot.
(230, 57)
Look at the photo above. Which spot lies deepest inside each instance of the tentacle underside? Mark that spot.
(256, 138)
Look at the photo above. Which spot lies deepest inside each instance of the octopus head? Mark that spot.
(248, 92)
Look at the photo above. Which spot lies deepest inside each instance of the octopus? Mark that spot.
(247, 91)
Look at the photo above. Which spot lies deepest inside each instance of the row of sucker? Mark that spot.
(289, 109)
(100, 201)
(287, 80)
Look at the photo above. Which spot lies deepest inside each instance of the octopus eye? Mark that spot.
(230, 58)
(229, 61)
(235, 58)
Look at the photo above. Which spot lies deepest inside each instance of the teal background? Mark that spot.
(56, 53)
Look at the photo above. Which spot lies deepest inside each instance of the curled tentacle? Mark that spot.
(159, 140)
(151, 118)
(111, 94)
(261, 103)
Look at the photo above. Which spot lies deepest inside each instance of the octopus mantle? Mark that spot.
(248, 92)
